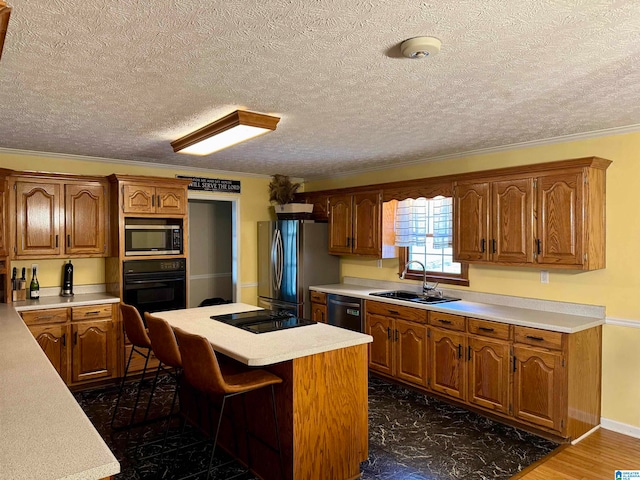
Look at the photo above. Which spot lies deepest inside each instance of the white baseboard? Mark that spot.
(620, 427)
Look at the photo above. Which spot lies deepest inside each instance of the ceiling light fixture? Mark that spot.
(5, 13)
(420, 47)
(225, 132)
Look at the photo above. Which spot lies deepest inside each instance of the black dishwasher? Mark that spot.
(345, 312)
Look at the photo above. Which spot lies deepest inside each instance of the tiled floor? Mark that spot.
(411, 436)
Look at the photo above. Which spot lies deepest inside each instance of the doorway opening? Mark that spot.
(213, 248)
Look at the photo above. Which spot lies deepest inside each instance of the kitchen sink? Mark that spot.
(414, 297)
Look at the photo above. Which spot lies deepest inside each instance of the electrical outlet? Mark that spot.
(544, 276)
(379, 263)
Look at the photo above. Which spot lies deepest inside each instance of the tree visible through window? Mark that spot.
(424, 230)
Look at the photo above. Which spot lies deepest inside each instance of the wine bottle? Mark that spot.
(35, 286)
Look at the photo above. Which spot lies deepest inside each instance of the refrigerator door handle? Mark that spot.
(280, 259)
(276, 259)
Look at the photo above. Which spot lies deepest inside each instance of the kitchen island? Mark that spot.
(322, 402)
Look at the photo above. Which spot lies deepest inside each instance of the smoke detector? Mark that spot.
(420, 47)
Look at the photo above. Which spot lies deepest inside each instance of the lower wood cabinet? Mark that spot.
(399, 346)
(549, 381)
(318, 306)
(80, 342)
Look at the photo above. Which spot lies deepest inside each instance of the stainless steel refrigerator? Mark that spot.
(292, 255)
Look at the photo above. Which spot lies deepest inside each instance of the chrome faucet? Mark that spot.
(429, 290)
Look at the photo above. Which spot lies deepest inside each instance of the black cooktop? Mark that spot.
(263, 321)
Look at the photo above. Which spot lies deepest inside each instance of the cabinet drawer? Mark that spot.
(40, 317)
(487, 328)
(447, 320)
(90, 312)
(538, 338)
(397, 311)
(318, 297)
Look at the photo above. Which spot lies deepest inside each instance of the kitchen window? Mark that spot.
(424, 232)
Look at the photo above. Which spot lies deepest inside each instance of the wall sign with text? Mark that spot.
(212, 184)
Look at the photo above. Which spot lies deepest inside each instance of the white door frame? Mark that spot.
(235, 233)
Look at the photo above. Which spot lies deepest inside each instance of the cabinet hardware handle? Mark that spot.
(56, 241)
(514, 363)
(75, 338)
(469, 352)
(485, 329)
(494, 245)
(68, 240)
(537, 339)
(348, 241)
(396, 335)
(388, 333)
(64, 339)
(393, 312)
(538, 246)
(322, 317)
(45, 317)
(95, 312)
(459, 351)
(483, 243)
(446, 322)
(153, 200)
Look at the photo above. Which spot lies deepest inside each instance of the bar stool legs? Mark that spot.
(122, 383)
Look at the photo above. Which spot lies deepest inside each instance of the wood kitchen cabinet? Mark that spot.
(551, 216)
(399, 346)
(355, 224)
(448, 347)
(80, 342)
(318, 306)
(147, 198)
(57, 218)
(320, 204)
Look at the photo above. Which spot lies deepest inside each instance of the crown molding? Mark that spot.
(574, 137)
(137, 163)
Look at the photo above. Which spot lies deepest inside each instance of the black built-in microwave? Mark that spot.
(148, 239)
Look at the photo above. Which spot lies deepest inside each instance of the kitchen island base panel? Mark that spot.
(322, 418)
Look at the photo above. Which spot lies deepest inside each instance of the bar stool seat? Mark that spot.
(140, 344)
(202, 371)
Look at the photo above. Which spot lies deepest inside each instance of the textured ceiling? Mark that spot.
(123, 79)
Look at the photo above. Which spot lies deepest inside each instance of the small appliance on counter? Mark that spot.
(67, 281)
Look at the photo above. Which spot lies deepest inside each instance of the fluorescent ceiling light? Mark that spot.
(234, 128)
(5, 13)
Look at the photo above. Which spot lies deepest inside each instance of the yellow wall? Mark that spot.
(253, 201)
(617, 287)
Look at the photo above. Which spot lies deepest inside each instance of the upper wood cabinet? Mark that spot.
(59, 218)
(146, 198)
(320, 204)
(551, 217)
(355, 224)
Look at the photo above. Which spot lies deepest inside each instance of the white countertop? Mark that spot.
(526, 317)
(61, 302)
(44, 434)
(264, 348)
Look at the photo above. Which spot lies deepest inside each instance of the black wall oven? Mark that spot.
(155, 285)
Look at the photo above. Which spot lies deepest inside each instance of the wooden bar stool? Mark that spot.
(165, 348)
(140, 344)
(202, 371)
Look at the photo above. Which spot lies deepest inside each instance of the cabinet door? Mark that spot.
(488, 370)
(138, 198)
(340, 226)
(367, 222)
(560, 216)
(381, 349)
(85, 219)
(471, 226)
(38, 218)
(512, 221)
(411, 352)
(447, 351)
(53, 341)
(170, 201)
(92, 356)
(319, 312)
(3, 225)
(539, 389)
